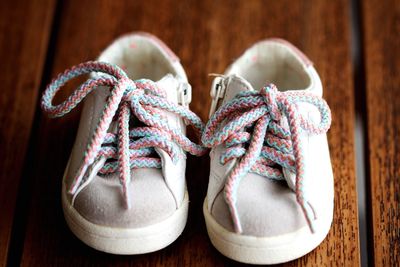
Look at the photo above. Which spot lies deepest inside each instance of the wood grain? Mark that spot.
(207, 37)
(24, 28)
(382, 65)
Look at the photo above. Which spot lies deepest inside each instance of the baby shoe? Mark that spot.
(124, 189)
(270, 193)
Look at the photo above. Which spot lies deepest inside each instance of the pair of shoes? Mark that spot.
(270, 193)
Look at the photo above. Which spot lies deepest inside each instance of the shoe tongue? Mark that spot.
(169, 85)
(235, 84)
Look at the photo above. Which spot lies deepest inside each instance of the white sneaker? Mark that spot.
(124, 189)
(270, 193)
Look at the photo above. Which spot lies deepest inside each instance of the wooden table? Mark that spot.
(40, 38)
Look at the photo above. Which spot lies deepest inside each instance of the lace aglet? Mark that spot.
(238, 228)
(127, 203)
(310, 219)
(77, 180)
(235, 219)
(127, 200)
(312, 227)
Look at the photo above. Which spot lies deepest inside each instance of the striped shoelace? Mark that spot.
(126, 149)
(271, 146)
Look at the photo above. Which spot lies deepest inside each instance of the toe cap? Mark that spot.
(101, 201)
(266, 208)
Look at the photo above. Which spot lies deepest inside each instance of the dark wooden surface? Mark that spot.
(24, 28)
(207, 36)
(382, 54)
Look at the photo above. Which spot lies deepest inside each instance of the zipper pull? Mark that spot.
(217, 92)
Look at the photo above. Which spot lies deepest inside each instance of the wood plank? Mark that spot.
(24, 28)
(382, 65)
(206, 37)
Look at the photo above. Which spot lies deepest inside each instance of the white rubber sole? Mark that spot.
(264, 250)
(126, 241)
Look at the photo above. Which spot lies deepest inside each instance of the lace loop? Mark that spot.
(131, 148)
(274, 143)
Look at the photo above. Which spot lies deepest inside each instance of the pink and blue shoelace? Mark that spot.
(127, 148)
(250, 127)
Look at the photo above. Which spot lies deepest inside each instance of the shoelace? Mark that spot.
(272, 145)
(130, 148)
